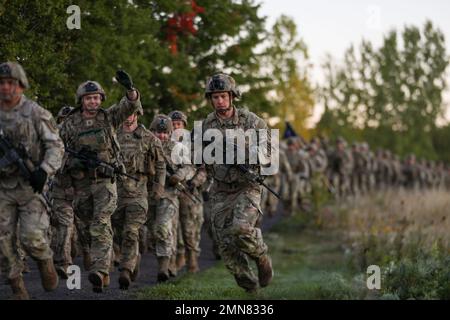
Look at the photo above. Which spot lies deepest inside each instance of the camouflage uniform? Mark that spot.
(95, 188)
(142, 153)
(235, 207)
(34, 128)
(63, 222)
(286, 176)
(62, 219)
(360, 169)
(235, 200)
(299, 163)
(166, 218)
(318, 163)
(341, 166)
(207, 215)
(191, 220)
(410, 172)
(191, 214)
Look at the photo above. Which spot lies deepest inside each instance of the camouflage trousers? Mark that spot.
(359, 184)
(165, 227)
(234, 222)
(299, 188)
(148, 232)
(95, 202)
(24, 218)
(341, 184)
(269, 202)
(129, 218)
(207, 216)
(64, 228)
(62, 219)
(190, 226)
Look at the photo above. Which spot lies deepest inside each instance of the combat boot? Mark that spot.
(62, 272)
(18, 289)
(124, 279)
(265, 271)
(106, 280)
(98, 280)
(163, 269)
(135, 272)
(173, 266)
(192, 262)
(49, 277)
(181, 261)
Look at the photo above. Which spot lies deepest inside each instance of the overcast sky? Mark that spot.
(331, 26)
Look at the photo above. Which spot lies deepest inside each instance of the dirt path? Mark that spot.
(147, 276)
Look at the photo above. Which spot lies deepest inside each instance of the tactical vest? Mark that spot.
(229, 174)
(134, 148)
(20, 126)
(96, 134)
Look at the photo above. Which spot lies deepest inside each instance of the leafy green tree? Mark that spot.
(286, 65)
(133, 36)
(392, 94)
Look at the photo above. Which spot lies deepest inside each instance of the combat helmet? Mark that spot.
(161, 123)
(178, 115)
(15, 71)
(221, 82)
(89, 87)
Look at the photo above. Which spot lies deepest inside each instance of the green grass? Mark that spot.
(308, 264)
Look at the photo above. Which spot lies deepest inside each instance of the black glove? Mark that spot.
(124, 79)
(174, 179)
(38, 179)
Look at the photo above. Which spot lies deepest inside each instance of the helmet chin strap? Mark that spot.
(230, 106)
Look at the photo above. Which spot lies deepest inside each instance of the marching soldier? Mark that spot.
(89, 134)
(235, 199)
(191, 212)
(62, 219)
(166, 218)
(143, 159)
(29, 131)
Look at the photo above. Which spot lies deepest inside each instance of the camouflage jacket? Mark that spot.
(34, 128)
(229, 174)
(96, 134)
(143, 158)
(179, 163)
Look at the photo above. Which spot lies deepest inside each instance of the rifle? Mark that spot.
(91, 160)
(20, 158)
(182, 187)
(252, 176)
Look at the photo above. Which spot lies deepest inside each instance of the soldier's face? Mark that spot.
(178, 124)
(221, 102)
(92, 102)
(10, 89)
(131, 120)
(163, 136)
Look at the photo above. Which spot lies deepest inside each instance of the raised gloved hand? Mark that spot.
(125, 80)
(38, 179)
